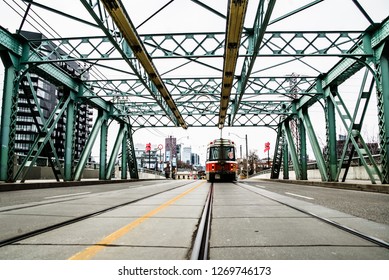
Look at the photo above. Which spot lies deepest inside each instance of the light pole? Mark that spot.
(247, 152)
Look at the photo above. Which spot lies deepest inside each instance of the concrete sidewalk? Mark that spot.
(361, 185)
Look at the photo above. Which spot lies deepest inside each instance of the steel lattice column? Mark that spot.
(285, 153)
(292, 150)
(69, 142)
(331, 148)
(124, 154)
(88, 146)
(7, 125)
(103, 150)
(131, 156)
(303, 114)
(115, 151)
(383, 111)
(303, 150)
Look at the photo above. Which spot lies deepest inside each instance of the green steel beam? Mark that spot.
(10, 75)
(383, 111)
(124, 155)
(51, 72)
(304, 116)
(115, 152)
(292, 150)
(150, 77)
(43, 141)
(285, 160)
(331, 148)
(349, 66)
(88, 146)
(278, 153)
(353, 127)
(8, 42)
(103, 149)
(260, 24)
(202, 45)
(131, 156)
(69, 140)
(303, 151)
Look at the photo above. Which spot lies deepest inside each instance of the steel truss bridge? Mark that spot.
(205, 64)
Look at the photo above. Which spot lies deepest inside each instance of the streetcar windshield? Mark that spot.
(222, 153)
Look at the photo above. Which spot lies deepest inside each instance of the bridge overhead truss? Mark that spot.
(247, 69)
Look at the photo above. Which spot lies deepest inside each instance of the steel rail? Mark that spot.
(200, 246)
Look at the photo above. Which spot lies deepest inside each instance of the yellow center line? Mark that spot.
(91, 251)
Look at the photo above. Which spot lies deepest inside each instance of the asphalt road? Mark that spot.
(367, 205)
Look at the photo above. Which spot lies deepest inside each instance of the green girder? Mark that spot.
(256, 99)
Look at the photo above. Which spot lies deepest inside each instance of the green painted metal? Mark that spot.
(292, 150)
(43, 142)
(383, 110)
(207, 45)
(14, 107)
(353, 127)
(69, 141)
(106, 24)
(10, 75)
(285, 171)
(115, 152)
(88, 147)
(124, 155)
(7, 42)
(103, 149)
(278, 153)
(321, 165)
(265, 99)
(261, 21)
(131, 156)
(331, 147)
(303, 151)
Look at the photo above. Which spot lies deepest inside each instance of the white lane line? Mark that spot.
(306, 197)
(263, 187)
(66, 195)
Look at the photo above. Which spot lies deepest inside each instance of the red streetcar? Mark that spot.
(221, 162)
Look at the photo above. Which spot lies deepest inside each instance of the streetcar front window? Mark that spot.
(214, 153)
(222, 153)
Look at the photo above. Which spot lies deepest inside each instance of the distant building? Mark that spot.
(48, 96)
(170, 149)
(373, 147)
(195, 159)
(187, 155)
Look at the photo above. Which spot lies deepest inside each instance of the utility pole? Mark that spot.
(247, 157)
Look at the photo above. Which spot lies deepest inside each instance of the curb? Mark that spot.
(379, 188)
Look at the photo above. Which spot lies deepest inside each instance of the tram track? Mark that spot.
(377, 241)
(36, 232)
(200, 246)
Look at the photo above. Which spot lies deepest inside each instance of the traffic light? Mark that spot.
(148, 147)
(267, 146)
